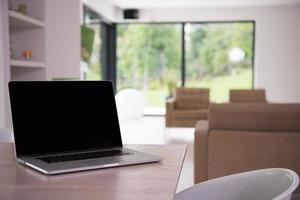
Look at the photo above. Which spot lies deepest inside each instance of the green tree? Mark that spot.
(210, 44)
(146, 52)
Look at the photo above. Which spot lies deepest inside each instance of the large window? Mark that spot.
(219, 56)
(148, 59)
(155, 58)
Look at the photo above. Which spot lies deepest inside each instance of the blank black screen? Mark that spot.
(56, 116)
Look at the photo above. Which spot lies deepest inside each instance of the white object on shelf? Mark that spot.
(18, 19)
(25, 63)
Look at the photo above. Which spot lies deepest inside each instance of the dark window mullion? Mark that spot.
(253, 52)
(183, 55)
(108, 58)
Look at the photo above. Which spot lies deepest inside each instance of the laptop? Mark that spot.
(68, 126)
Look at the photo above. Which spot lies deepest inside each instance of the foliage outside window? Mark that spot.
(219, 56)
(90, 46)
(148, 59)
(94, 70)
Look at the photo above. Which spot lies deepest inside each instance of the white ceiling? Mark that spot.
(151, 4)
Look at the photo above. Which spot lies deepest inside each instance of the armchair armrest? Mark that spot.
(170, 105)
(201, 151)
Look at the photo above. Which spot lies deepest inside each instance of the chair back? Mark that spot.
(191, 98)
(130, 103)
(277, 117)
(247, 96)
(272, 183)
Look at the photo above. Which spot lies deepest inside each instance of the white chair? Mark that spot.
(130, 103)
(265, 184)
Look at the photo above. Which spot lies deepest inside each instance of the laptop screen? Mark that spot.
(56, 116)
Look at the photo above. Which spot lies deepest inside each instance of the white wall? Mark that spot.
(4, 73)
(62, 39)
(2, 96)
(278, 53)
(277, 45)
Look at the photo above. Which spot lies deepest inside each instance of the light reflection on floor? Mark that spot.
(151, 130)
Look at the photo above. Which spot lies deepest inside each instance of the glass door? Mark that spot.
(148, 60)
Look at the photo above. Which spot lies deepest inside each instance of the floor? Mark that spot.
(151, 130)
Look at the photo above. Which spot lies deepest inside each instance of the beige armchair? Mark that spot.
(188, 106)
(248, 136)
(247, 96)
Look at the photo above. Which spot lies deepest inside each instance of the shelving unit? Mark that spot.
(25, 63)
(17, 19)
(49, 32)
(27, 32)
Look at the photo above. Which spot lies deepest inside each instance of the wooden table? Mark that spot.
(156, 181)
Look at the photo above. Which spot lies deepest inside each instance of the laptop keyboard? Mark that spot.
(82, 156)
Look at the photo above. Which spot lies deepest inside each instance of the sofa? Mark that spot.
(187, 106)
(248, 136)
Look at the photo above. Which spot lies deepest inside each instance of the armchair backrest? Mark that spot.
(247, 95)
(254, 117)
(191, 98)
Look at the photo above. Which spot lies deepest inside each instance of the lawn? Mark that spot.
(219, 88)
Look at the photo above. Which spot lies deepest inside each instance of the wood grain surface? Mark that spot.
(155, 181)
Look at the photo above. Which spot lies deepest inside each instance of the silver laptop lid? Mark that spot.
(57, 116)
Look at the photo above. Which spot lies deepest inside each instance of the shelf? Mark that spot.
(17, 19)
(25, 63)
